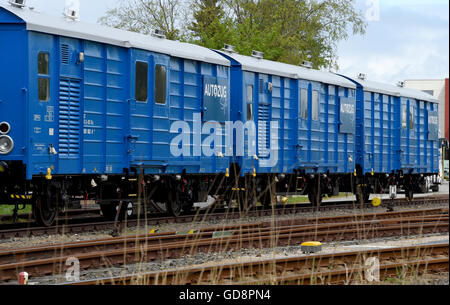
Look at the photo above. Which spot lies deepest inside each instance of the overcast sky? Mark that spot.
(405, 39)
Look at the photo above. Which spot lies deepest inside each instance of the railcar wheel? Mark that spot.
(108, 211)
(425, 187)
(409, 194)
(248, 199)
(45, 209)
(173, 205)
(268, 196)
(315, 198)
(362, 196)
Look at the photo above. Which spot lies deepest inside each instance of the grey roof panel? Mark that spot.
(253, 64)
(41, 22)
(393, 90)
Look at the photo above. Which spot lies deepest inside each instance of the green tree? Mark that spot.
(207, 28)
(289, 31)
(295, 30)
(143, 16)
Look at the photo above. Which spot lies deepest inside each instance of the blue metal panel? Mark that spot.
(289, 148)
(43, 115)
(116, 78)
(105, 80)
(14, 96)
(322, 146)
(249, 97)
(379, 127)
(160, 140)
(140, 136)
(187, 104)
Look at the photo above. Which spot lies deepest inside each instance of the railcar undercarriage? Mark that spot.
(135, 193)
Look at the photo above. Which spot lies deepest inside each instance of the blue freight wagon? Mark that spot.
(397, 138)
(91, 110)
(304, 121)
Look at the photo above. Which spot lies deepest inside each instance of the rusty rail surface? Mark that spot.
(47, 260)
(335, 268)
(205, 215)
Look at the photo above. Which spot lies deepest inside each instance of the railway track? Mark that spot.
(47, 260)
(335, 268)
(201, 216)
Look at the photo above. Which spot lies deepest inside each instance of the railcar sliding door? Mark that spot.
(407, 145)
(141, 110)
(309, 148)
(160, 108)
(42, 102)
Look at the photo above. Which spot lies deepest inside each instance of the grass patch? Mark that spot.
(304, 199)
(8, 209)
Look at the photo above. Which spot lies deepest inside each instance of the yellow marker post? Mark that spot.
(311, 247)
(254, 172)
(49, 174)
(227, 173)
(153, 231)
(376, 202)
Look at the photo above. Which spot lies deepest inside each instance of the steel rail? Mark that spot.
(145, 252)
(342, 267)
(201, 216)
(75, 248)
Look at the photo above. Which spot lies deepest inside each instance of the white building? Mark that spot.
(437, 88)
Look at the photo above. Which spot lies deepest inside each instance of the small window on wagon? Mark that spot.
(315, 106)
(304, 104)
(43, 63)
(249, 102)
(411, 117)
(43, 77)
(141, 81)
(160, 84)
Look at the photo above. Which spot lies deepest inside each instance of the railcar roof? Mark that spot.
(393, 90)
(253, 64)
(41, 22)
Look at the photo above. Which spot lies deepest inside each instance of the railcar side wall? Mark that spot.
(326, 136)
(418, 140)
(13, 83)
(379, 119)
(317, 139)
(87, 117)
(396, 134)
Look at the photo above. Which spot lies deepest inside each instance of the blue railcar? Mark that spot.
(397, 140)
(314, 112)
(83, 100)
